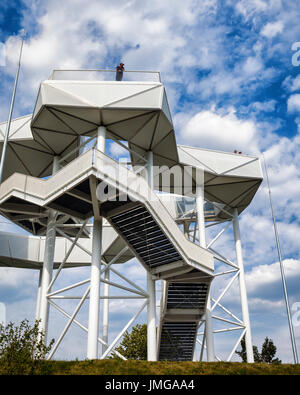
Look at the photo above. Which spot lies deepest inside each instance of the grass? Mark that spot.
(118, 367)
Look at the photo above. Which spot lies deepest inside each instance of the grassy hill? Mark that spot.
(118, 367)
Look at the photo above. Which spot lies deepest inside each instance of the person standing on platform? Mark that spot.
(119, 72)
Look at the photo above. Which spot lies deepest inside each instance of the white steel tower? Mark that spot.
(104, 213)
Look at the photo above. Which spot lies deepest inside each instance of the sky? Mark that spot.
(231, 69)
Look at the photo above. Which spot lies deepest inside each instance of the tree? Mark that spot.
(243, 353)
(22, 348)
(266, 355)
(134, 344)
(268, 352)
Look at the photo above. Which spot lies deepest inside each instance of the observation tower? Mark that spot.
(86, 208)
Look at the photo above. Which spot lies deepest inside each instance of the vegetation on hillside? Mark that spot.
(23, 349)
(267, 354)
(22, 352)
(134, 343)
(134, 367)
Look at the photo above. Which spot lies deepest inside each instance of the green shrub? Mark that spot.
(134, 344)
(23, 349)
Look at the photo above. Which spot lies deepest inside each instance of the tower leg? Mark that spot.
(47, 272)
(151, 320)
(243, 292)
(151, 306)
(105, 316)
(93, 323)
(48, 264)
(94, 306)
(202, 241)
(210, 347)
(38, 299)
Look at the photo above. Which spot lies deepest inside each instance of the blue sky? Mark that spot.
(231, 84)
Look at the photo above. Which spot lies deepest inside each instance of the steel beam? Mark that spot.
(202, 241)
(242, 283)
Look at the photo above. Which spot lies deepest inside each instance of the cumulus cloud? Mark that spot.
(292, 84)
(210, 129)
(265, 279)
(265, 106)
(250, 8)
(271, 29)
(117, 150)
(293, 104)
(17, 284)
(252, 66)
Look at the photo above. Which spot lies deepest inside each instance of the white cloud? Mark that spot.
(251, 8)
(117, 150)
(293, 103)
(246, 8)
(252, 66)
(248, 74)
(17, 285)
(219, 82)
(271, 29)
(13, 277)
(209, 129)
(263, 276)
(292, 84)
(265, 106)
(151, 35)
(263, 305)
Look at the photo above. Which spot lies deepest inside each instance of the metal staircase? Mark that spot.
(185, 301)
(147, 228)
(145, 237)
(177, 341)
(183, 305)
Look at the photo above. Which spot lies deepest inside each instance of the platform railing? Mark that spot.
(104, 75)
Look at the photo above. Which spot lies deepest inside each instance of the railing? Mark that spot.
(105, 75)
(186, 208)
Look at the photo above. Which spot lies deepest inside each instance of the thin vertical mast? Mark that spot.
(293, 341)
(11, 111)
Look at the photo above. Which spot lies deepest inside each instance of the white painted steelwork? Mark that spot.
(70, 114)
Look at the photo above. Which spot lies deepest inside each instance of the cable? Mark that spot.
(5, 142)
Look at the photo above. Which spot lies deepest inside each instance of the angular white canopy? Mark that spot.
(24, 154)
(230, 179)
(136, 112)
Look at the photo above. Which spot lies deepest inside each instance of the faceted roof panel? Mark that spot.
(136, 112)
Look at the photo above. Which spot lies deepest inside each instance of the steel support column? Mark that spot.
(151, 306)
(94, 305)
(93, 325)
(101, 138)
(151, 320)
(48, 264)
(38, 298)
(105, 314)
(202, 241)
(243, 291)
